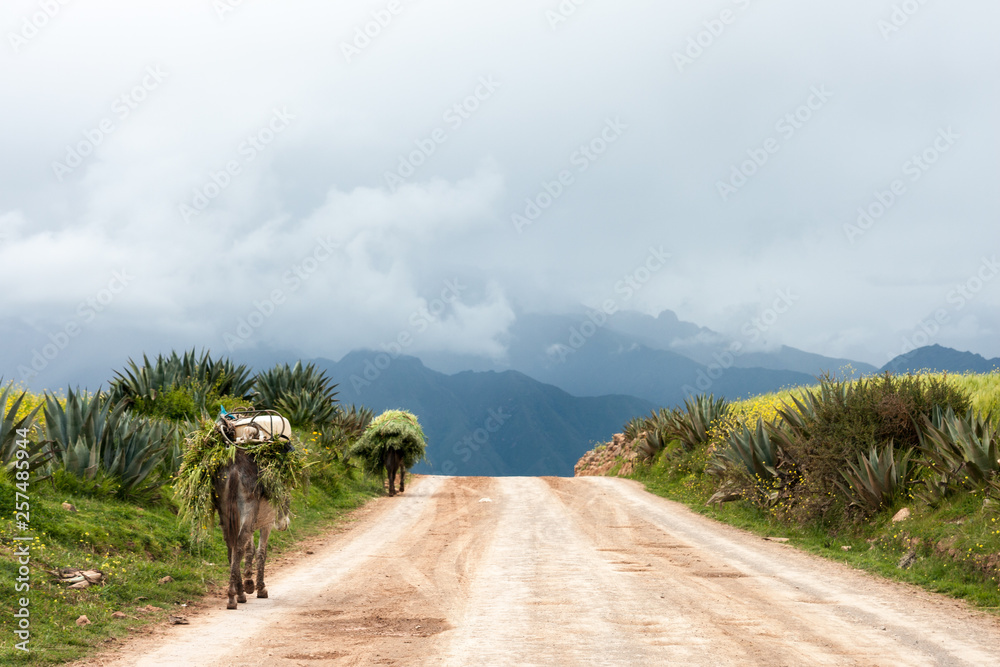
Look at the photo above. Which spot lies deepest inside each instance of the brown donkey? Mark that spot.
(393, 461)
(243, 509)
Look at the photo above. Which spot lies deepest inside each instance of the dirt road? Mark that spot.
(585, 571)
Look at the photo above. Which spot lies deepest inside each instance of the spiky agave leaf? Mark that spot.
(12, 429)
(753, 451)
(690, 426)
(200, 375)
(964, 450)
(304, 393)
(652, 443)
(878, 478)
(353, 421)
(88, 433)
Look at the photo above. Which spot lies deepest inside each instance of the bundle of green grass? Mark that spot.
(206, 451)
(393, 429)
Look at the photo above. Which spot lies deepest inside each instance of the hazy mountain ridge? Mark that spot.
(939, 358)
(661, 359)
(484, 423)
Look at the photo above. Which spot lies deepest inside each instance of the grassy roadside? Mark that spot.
(136, 546)
(956, 543)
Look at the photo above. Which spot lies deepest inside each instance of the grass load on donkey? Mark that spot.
(244, 467)
(214, 446)
(393, 441)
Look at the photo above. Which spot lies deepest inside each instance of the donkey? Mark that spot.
(243, 508)
(393, 461)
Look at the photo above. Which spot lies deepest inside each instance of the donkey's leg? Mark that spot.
(265, 532)
(235, 582)
(233, 553)
(402, 478)
(244, 538)
(248, 557)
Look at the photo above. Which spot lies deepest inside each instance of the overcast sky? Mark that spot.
(170, 169)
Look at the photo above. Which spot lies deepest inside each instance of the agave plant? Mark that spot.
(653, 442)
(353, 421)
(802, 416)
(960, 449)
(199, 375)
(753, 451)
(691, 425)
(878, 478)
(12, 431)
(634, 427)
(83, 421)
(88, 434)
(303, 393)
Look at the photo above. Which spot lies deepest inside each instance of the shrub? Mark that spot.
(842, 422)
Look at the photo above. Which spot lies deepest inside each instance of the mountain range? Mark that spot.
(938, 358)
(484, 423)
(565, 385)
(565, 382)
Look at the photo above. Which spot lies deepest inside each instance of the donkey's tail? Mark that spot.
(232, 501)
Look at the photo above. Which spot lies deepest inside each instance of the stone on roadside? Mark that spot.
(901, 515)
(82, 621)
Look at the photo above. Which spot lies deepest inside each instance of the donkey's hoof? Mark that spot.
(231, 605)
(248, 586)
(262, 593)
(241, 598)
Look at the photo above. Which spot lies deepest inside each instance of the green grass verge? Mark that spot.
(136, 546)
(957, 543)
